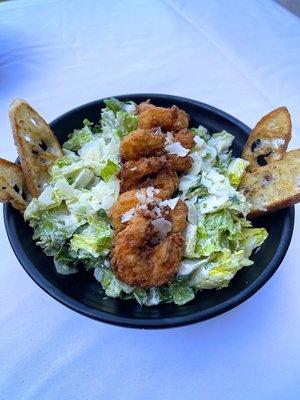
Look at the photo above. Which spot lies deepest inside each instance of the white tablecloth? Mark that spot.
(241, 56)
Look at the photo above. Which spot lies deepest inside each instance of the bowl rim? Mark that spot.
(153, 323)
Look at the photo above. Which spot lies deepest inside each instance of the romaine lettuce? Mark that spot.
(70, 219)
(78, 138)
(95, 240)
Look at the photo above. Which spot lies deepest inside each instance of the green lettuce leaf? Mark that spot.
(201, 132)
(109, 170)
(64, 263)
(218, 272)
(116, 105)
(52, 229)
(214, 231)
(221, 141)
(236, 170)
(111, 285)
(118, 119)
(251, 238)
(78, 138)
(181, 292)
(95, 240)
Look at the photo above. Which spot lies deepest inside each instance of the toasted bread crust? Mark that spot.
(269, 139)
(12, 185)
(274, 186)
(37, 145)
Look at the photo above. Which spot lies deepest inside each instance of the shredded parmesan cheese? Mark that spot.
(177, 149)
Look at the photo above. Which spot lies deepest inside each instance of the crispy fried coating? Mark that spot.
(179, 217)
(134, 173)
(169, 119)
(140, 257)
(145, 105)
(166, 180)
(138, 263)
(129, 200)
(125, 202)
(180, 164)
(185, 138)
(142, 143)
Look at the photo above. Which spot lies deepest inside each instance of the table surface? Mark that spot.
(240, 56)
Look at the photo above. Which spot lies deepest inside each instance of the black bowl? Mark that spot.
(83, 293)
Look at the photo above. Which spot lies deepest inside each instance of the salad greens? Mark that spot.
(70, 216)
(70, 219)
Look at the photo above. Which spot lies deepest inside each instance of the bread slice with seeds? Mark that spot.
(274, 186)
(12, 185)
(269, 139)
(37, 145)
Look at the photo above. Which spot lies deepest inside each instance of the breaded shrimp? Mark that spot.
(142, 143)
(130, 200)
(166, 180)
(180, 164)
(179, 217)
(138, 263)
(145, 105)
(133, 173)
(125, 202)
(185, 138)
(169, 119)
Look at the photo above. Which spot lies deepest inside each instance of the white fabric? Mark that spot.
(241, 56)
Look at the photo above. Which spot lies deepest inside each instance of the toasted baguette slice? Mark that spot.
(12, 185)
(37, 146)
(273, 186)
(269, 139)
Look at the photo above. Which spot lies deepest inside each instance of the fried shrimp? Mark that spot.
(142, 143)
(145, 105)
(129, 200)
(147, 202)
(126, 201)
(180, 164)
(185, 138)
(179, 217)
(166, 180)
(133, 173)
(169, 119)
(138, 263)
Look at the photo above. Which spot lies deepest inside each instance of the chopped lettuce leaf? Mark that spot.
(52, 229)
(109, 170)
(111, 285)
(251, 238)
(118, 122)
(209, 159)
(219, 272)
(78, 138)
(181, 292)
(106, 193)
(125, 123)
(236, 170)
(116, 105)
(213, 232)
(187, 265)
(83, 179)
(64, 263)
(201, 132)
(190, 234)
(221, 141)
(95, 240)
